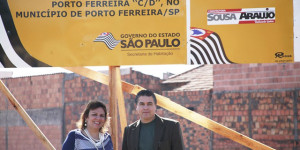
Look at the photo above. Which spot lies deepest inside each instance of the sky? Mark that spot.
(155, 70)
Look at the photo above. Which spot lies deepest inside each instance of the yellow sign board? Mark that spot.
(142, 32)
(99, 32)
(247, 31)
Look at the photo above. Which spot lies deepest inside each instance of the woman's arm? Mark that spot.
(69, 143)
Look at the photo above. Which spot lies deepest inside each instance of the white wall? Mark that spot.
(297, 30)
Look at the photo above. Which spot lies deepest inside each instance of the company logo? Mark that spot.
(281, 55)
(257, 15)
(241, 16)
(217, 17)
(108, 39)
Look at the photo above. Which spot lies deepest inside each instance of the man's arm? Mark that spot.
(124, 143)
(177, 141)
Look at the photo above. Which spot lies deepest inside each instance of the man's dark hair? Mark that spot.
(145, 93)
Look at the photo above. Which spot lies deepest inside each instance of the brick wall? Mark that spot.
(194, 136)
(231, 110)
(36, 92)
(40, 96)
(244, 77)
(2, 138)
(79, 90)
(241, 100)
(265, 116)
(21, 137)
(250, 113)
(55, 102)
(260, 101)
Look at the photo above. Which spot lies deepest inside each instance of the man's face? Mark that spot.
(146, 108)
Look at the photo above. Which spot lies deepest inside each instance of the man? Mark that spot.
(151, 132)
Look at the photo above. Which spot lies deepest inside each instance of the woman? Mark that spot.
(92, 133)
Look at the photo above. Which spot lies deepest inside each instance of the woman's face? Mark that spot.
(95, 119)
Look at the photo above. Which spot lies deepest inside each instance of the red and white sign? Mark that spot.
(240, 16)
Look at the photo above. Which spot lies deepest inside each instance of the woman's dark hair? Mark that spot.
(91, 106)
(145, 93)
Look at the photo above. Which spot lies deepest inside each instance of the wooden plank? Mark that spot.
(102, 78)
(188, 114)
(120, 101)
(97, 76)
(113, 110)
(26, 117)
(209, 124)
